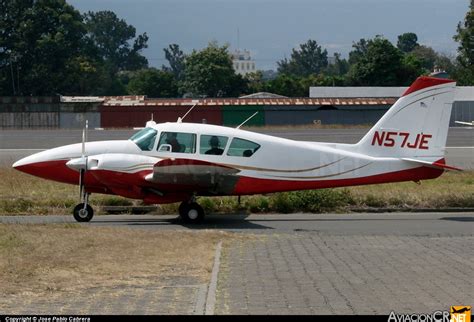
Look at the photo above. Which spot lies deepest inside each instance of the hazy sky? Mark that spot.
(271, 28)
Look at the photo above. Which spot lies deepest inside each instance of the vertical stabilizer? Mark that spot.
(416, 126)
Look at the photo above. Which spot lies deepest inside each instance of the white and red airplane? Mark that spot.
(176, 162)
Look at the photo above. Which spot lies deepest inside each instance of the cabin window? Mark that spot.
(242, 148)
(177, 142)
(212, 144)
(145, 139)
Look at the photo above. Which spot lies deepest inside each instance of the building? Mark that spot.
(463, 106)
(243, 63)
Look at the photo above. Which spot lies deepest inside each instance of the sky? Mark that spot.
(271, 28)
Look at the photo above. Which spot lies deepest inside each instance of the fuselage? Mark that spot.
(260, 163)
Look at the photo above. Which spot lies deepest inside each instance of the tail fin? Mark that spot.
(416, 126)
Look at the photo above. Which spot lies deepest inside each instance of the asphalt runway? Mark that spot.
(412, 224)
(16, 144)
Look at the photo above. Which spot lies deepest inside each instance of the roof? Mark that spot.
(464, 93)
(356, 91)
(222, 102)
(263, 95)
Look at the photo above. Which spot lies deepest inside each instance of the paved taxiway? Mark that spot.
(436, 223)
(16, 144)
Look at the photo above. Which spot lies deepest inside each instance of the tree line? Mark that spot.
(47, 47)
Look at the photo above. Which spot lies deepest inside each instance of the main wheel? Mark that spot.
(81, 214)
(191, 213)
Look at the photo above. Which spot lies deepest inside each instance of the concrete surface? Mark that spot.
(320, 273)
(299, 264)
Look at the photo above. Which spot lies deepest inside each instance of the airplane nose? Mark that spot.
(22, 163)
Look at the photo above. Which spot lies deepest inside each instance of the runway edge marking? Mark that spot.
(211, 293)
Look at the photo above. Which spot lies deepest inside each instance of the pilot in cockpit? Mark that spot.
(215, 149)
(173, 141)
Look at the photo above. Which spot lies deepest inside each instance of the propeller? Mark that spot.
(80, 164)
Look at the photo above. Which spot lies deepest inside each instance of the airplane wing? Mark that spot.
(197, 175)
(440, 164)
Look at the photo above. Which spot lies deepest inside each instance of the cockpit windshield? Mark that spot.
(145, 139)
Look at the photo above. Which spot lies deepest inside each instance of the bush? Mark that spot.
(113, 201)
(281, 203)
(257, 204)
(315, 201)
(208, 204)
(374, 201)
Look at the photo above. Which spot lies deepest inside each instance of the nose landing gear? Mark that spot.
(83, 212)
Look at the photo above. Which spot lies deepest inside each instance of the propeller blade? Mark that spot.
(81, 183)
(83, 142)
(81, 164)
(84, 138)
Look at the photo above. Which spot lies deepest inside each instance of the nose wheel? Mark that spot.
(191, 212)
(83, 212)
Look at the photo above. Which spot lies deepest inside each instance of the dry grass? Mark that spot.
(452, 189)
(40, 259)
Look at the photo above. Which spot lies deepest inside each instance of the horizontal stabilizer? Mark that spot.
(440, 164)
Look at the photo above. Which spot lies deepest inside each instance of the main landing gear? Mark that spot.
(83, 212)
(191, 212)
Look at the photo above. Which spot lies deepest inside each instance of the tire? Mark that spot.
(191, 213)
(81, 214)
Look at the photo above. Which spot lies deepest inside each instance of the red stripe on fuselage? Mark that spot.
(248, 185)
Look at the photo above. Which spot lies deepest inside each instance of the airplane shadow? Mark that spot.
(463, 219)
(235, 221)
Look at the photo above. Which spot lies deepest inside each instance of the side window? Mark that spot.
(212, 144)
(242, 148)
(177, 142)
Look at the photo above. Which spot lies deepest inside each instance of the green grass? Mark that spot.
(25, 194)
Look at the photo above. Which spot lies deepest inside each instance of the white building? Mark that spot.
(243, 63)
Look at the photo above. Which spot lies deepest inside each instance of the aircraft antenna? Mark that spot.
(180, 119)
(247, 120)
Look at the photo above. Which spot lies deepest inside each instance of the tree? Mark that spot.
(255, 82)
(209, 72)
(465, 38)
(407, 42)
(321, 80)
(310, 58)
(39, 43)
(426, 55)
(112, 38)
(153, 83)
(382, 64)
(339, 68)
(287, 85)
(176, 59)
(360, 50)
(411, 68)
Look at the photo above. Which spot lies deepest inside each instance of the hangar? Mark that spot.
(325, 105)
